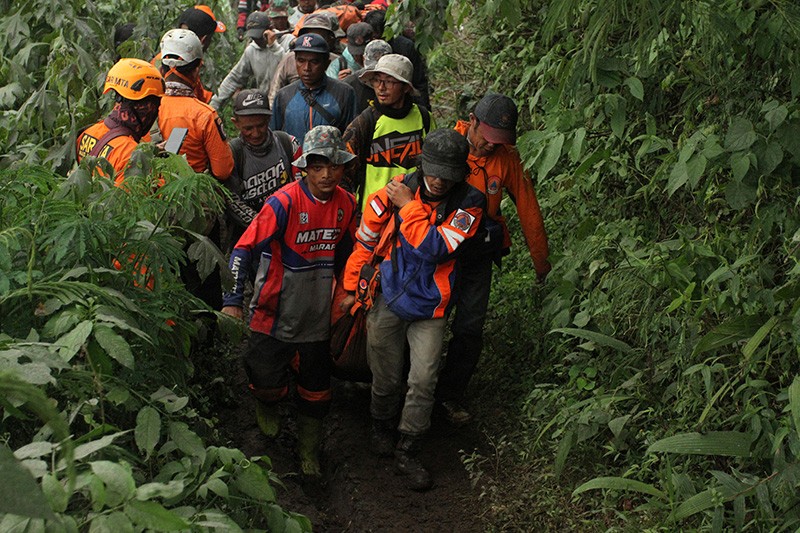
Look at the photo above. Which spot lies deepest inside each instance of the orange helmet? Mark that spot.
(134, 79)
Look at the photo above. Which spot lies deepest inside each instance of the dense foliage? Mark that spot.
(104, 378)
(659, 363)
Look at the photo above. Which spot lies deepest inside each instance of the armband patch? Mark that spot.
(377, 205)
(462, 220)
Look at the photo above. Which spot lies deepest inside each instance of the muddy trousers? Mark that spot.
(473, 284)
(386, 338)
(268, 362)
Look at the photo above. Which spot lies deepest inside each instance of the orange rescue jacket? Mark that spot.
(205, 145)
(503, 170)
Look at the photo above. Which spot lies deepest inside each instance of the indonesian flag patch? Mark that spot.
(377, 206)
(462, 220)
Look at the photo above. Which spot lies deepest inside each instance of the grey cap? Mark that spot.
(327, 142)
(358, 36)
(444, 155)
(375, 50)
(251, 102)
(397, 66)
(322, 20)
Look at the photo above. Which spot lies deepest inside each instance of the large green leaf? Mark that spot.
(115, 346)
(727, 443)
(71, 342)
(794, 403)
(732, 330)
(187, 440)
(619, 483)
(740, 135)
(253, 482)
(152, 515)
(148, 429)
(695, 504)
(595, 337)
(19, 492)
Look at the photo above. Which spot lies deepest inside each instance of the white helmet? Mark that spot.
(180, 47)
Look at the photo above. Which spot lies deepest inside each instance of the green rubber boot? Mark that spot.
(309, 442)
(269, 419)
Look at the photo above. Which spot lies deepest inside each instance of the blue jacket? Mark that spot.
(292, 114)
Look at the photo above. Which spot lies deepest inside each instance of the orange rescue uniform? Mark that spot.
(205, 145)
(117, 151)
(502, 169)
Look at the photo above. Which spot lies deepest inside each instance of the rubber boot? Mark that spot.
(309, 441)
(382, 441)
(268, 418)
(406, 462)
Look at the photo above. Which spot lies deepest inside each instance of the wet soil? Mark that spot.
(360, 492)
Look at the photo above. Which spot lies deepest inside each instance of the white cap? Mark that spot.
(180, 47)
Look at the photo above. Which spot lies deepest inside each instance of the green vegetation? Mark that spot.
(103, 375)
(654, 379)
(656, 384)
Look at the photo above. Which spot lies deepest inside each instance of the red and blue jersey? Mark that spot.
(291, 247)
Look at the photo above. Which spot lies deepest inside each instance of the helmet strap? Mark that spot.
(184, 78)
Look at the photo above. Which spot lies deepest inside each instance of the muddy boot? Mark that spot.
(382, 438)
(309, 441)
(268, 418)
(406, 462)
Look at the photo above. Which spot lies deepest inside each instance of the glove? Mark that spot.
(240, 34)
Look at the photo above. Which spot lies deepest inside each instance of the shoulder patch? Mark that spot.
(220, 128)
(377, 206)
(493, 185)
(462, 220)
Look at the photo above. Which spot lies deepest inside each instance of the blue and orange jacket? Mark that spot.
(417, 283)
(291, 248)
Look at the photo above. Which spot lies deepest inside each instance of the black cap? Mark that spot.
(498, 115)
(444, 155)
(198, 21)
(251, 102)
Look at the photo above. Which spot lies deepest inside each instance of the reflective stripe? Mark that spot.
(453, 238)
(314, 396)
(269, 395)
(369, 232)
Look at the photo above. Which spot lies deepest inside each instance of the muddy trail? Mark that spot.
(360, 492)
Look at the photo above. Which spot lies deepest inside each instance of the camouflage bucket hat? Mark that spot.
(374, 50)
(327, 142)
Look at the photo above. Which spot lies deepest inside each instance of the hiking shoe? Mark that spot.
(382, 438)
(455, 413)
(417, 476)
(405, 461)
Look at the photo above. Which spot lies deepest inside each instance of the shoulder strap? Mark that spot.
(109, 136)
(285, 142)
(311, 101)
(426, 118)
(238, 156)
